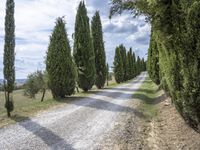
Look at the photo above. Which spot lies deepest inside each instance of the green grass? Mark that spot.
(149, 95)
(26, 107)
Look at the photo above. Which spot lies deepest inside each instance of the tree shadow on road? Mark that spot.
(115, 95)
(100, 104)
(120, 93)
(130, 90)
(46, 135)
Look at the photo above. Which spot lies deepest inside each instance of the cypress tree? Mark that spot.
(138, 64)
(130, 65)
(134, 70)
(143, 65)
(99, 50)
(59, 64)
(118, 66)
(124, 59)
(132, 61)
(191, 69)
(153, 60)
(9, 56)
(83, 50)
(107, 74)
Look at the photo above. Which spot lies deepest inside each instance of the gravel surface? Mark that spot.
(82, 123)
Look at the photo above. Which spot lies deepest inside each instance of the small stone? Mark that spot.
(167, 104)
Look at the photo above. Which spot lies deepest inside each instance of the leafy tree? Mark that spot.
(44, 84)
(9, 56)
(118, 66)
(32, 87)
(99, 50)
(59, 64)
(83, 50)
(35, 83)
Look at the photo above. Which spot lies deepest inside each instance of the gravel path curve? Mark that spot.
(82, 123)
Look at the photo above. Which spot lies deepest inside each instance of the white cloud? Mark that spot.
(142, 33)
(35, 20)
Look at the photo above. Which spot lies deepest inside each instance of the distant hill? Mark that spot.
(18, 81)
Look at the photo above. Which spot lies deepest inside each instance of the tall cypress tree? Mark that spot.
(59, 64)
(143, 63)
(99, 50)
(153, 60)
(83, 50)
(138, 65)
(128, 64)
(123, 55)
(134, 71)
(118, 66)
(132, 65)
(9, 55)
(107, 74)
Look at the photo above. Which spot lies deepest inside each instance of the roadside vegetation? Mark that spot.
(161, 127)
(147, 94)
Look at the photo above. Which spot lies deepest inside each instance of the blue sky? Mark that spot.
(35, 20)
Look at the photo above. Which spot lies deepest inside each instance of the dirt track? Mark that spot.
(95, 122)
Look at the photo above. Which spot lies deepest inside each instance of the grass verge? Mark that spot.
(149, 95)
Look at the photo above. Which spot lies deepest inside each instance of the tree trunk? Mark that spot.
(77, 89)
(5, 95)
(7, 98)
(44, 91)
(8, 105)
(8, 113)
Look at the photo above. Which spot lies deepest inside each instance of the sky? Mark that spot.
(35, 20)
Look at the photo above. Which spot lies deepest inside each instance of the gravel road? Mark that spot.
(80, 123)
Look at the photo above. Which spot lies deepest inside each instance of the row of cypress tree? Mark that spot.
(87, 66)
(174, 52)
(176, 61)
(126, 66)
